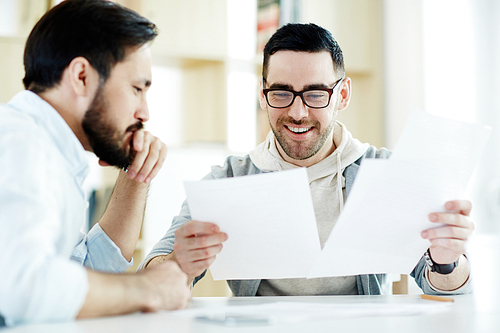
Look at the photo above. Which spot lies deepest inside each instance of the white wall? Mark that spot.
(443, 56)
(404, 87)
(166, 193)
(486, 192)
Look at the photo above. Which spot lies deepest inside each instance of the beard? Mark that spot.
(301, 150)
(104, 138)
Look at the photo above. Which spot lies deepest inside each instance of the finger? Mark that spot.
(454, 219)
(198, 267)
(455, 245)
(154, 160)
(159, 163)
(151, 155)
(192, 228)
(199, 254)
(139, 159)
(199, 242)
(462, 206)
(138, 140)
(447, 232)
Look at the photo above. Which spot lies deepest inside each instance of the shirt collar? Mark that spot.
(65, 140)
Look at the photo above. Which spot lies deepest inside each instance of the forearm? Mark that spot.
(452, 281)
(110, 295)
(124, 214)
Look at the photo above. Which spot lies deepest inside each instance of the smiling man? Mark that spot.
(303, 87)
(88, 68)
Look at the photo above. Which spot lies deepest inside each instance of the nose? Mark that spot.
(298, 109)
(142, 113)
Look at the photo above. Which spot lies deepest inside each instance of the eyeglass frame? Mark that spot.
(300, 94)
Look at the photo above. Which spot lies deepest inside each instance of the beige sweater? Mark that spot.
(328, 195)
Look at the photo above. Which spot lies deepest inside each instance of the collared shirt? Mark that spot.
(42, 209)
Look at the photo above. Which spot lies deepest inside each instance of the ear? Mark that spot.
(345, 94)
(83, 78)
(262, 98)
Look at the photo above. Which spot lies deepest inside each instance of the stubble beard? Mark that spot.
(300, 150)
(105, 139)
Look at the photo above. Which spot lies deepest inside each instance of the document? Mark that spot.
(269, 219)
(295, 312)
(379, 228)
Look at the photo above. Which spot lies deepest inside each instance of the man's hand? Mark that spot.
(448, 241)
(162, 287)
(168, 286)
(196, 245)
(150, 155)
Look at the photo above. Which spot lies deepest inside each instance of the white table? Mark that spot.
(465, 315)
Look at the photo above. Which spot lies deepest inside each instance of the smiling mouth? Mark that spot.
(298, 130)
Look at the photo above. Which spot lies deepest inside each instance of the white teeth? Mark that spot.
(299, 130)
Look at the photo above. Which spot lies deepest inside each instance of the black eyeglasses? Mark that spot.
(316, 98)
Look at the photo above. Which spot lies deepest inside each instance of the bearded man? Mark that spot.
(88, 68)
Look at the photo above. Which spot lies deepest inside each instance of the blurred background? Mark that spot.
(441, 56)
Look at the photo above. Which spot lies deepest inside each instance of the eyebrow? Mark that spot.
(280, 86)
(317, 86)
(307, 87)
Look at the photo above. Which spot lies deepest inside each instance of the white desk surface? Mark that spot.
(464, 316)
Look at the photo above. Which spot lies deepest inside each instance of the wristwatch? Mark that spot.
(439, 268)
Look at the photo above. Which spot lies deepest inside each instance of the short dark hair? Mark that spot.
(98, 30)
(305, 38)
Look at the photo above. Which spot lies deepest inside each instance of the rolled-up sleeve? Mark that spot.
(166, 244)
(98, 252)
(420, 273)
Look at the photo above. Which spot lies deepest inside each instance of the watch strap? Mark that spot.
(439, 268)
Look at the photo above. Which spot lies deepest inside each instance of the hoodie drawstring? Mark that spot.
(339, 184)
(339, 180)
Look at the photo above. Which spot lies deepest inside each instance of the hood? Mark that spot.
(267, 158)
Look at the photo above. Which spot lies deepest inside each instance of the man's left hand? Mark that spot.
(448, 241)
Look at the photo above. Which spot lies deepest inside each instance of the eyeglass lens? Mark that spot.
(312, 98)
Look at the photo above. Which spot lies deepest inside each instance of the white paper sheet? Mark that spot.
(269, 219)
(295, 312)
(379, 229)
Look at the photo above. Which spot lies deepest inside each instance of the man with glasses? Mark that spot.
(303, 87)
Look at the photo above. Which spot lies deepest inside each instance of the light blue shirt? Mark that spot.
(42, 211)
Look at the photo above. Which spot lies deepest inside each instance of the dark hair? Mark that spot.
(305, 38)
(98, 30)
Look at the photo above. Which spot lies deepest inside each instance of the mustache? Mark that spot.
(293, 121)
(135, 127)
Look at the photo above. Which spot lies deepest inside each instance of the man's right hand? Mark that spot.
(168, 287)
(196, 245)
(161, 287)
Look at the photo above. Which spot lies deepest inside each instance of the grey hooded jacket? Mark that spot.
(369, 284)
